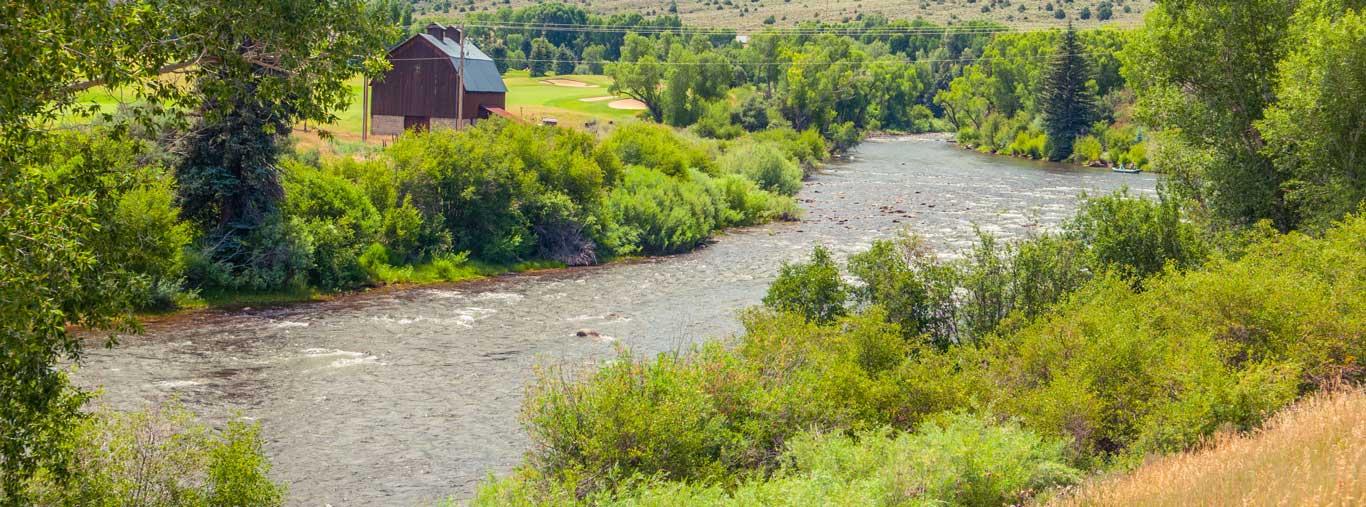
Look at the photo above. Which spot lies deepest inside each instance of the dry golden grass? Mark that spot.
(1311, 454)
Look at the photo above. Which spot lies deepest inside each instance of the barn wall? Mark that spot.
(474, 100)
(422, 87)
(423, 83)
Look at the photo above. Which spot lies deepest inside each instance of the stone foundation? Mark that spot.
(450, 123)
(386, 125)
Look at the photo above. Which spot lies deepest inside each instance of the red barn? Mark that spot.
(423, 88)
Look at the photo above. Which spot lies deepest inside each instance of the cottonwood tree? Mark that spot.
(56, 265)
(639, 73)
(259, 67)
(1316, 131)
(1205, 72)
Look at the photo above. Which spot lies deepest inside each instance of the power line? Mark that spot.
(808, 30)
(827, 62)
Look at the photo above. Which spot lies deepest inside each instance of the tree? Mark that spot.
(564, 62)
(58, 260)
(639, 74)
(963, 107)
(256, 76)
(542, 53)
(1316, 131)
(1067, 104)
(593, 57)
(1205, 72)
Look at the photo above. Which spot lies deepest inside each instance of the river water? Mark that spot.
(404, 397)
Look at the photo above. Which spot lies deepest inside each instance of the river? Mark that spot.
(400, 397)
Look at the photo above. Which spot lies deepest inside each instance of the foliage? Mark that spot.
(963, 460)
(1099, 377)
(1087, 149)
(663, 214)
(162, 456)
(57, 269)
(1136, 238)
(1316, 132)
(813, 290)
(765, 164)
(659, 148)
(334, 220)
(1067, 105)
(1206, 72)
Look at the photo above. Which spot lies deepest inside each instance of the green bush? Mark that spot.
(747, 204)
(1087, 149)
(152, 240)
(712, 413)
(275, 255)
(1136, 237)
(335, 219)
(844, 136)
(767, 165)
(1030, 145)
(662, 214)
(657, 147)
(715, 122)
(162, 457)
(807, 147)
(813, 290)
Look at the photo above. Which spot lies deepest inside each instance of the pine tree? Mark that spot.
(1068, 106)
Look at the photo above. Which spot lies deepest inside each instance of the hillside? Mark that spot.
(1312, 454)
(750, 14)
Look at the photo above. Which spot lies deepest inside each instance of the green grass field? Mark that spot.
(531, 98)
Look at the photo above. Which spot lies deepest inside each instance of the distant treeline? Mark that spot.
(981, 80)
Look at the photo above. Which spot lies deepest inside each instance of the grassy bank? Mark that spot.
(1313, 453)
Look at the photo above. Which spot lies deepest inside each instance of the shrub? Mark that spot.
(753, 113)
(658, 148)
(921, 119)
(961, 460)
(813, 290)
(767, 165)
(1029, 145)
(662, 214)
(335, 219)
(162, 456)
(1087, 149)
(1136, 237)
(715, 122)
(708, 415)
(151, 240)
(747, 204)
(844, 136)
(273, 256)
(807, 147)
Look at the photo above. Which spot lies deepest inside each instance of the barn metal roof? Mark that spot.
(481, 75)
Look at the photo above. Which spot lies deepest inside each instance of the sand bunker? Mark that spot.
(568, 82)
(598, 99)
(628, 104)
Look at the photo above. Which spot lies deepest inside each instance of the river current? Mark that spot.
(401, 397)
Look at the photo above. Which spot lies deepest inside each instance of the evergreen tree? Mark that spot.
(542, 54)
(1068, 106)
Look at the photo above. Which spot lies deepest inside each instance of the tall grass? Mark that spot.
(1313, 453)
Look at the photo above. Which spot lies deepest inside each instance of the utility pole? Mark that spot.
(460, 105)
(364, 108)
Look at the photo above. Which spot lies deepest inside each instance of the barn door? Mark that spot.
(417, 123)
